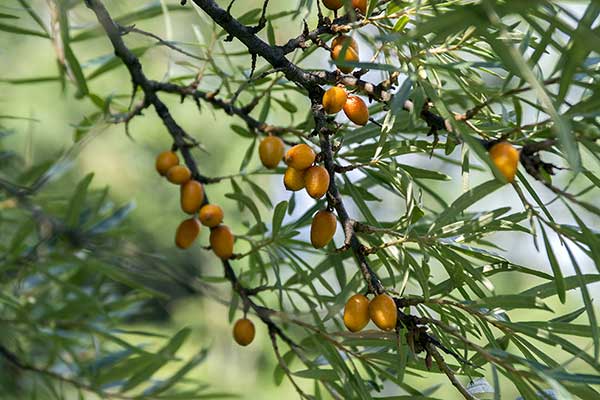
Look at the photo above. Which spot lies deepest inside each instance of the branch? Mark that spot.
(125, 30)
(449, 372)
(178, 134)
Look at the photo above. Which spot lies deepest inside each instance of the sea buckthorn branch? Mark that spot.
(277, 59)
(283, 364)
(472, 112)
(127, 29)
(227, 106)
(294, 74)
(335, 198)
(139, 79)
(302, 79)
(431, 350)
(244, 85)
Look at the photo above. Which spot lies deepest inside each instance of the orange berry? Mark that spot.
(344, 43)
(342, 40)
(211, 215)
(293, 179)
(506, 158)
(221, 241)
(333, 4)
(271, 151)
(243, 331)
(187, 232)
(192, 196)
(316, 181)
(301, 156)
(350, 55)
(334, 100)
(356, 313)
(356, 110)
(322, 228)
(179, 174)
(360, 5)
(166, 160)
(383, 312)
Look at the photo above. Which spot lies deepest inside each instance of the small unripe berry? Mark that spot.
(322, 228)
(221, 241)
(243, 331)
(356, 313)
(334, 100)
(293, 179)
(301, 156)
(316, 181)
(506, 158)
(271, 151)
(166, 160)
(187, 232)
(179, 174)
(211, 215)
(191, 196)
(356, 110)
(383, 312)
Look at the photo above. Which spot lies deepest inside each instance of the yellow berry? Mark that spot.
(356, 313)
(293, 179)
(271, 151)
(316, 181)
(166, 160)
(334, 100)
(187, 232)
(322, 228)
(179, 174)
(192, 196)
(211, 215)
(221, 241)
(383, 312)
(301, 156)
(243, 331)
(506, 158)
(348, 47)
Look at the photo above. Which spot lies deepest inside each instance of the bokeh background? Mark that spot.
(126, 165)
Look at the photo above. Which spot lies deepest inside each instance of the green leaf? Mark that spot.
(148, 11)
(511, 302)
(243, 132)
(317, 373)
(112, 62)
(278, 215)
(587, 301)
(77, 201)
(558, 276)
(22, 31)
(178, 375)
(70, 59)
(464, 201)
(248, 155)
(27, 7)
(247, 202)
(420, 173)
(8, 16)
(546, 290)
(113, 220)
